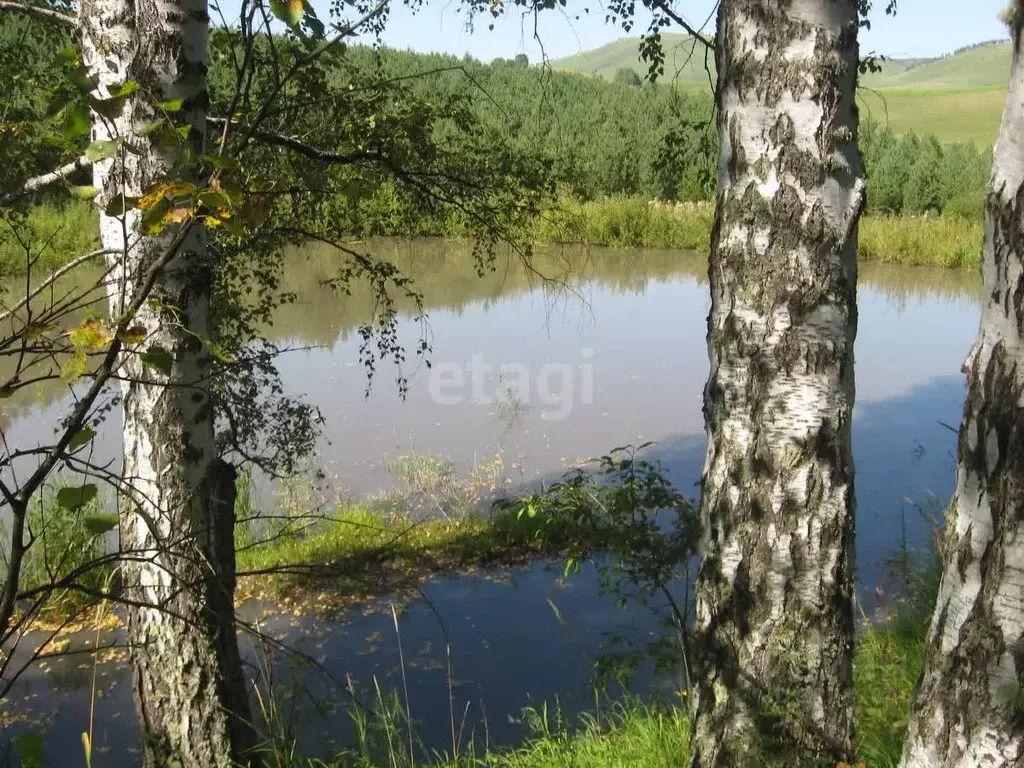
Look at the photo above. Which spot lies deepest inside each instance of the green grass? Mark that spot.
(888, 661)
(54, 235)
(957, 98)
(629, 222)
(357, 543)
(951, 114)
(631, 734)
(983, 66)
(618, 54)
(614, 222)
(943, 241)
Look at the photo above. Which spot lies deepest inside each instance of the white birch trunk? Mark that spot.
(774, 619)
(189, 686)
(969, 708)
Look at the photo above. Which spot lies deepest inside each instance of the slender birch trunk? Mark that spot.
(177, 516)
(774, 619)
(969, 707)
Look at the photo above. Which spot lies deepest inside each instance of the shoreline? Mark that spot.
(613, 222)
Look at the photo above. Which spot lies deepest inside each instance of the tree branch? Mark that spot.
(57, 274)
(37, 10)
(663, 6)
(279, 140)
(37, 183)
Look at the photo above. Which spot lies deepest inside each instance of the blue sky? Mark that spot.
(920, 28)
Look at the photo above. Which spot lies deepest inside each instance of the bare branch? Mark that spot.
(37, 183)
(42, 12)
(57, 274)
(279, 140)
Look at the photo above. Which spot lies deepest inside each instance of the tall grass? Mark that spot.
(941, 241)
(629, 222)
(57, 235)
(46, 236)
(888, 662)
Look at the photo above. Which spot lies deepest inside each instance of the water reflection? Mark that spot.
(642, 316)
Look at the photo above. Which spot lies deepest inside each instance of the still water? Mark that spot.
(532, 373)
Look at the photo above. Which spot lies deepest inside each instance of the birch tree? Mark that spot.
(147, 63)
(774, 621)
(969, 704)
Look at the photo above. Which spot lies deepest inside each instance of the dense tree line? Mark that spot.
(583, 129)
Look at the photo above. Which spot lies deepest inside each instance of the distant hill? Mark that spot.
(981, 66)
(684, 59)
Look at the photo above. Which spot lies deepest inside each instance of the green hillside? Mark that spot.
(983, 66)
(684, 59)
(958, 97)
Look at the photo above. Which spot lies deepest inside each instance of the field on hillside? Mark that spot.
(954, 114)
(957, 97)
(984, 66)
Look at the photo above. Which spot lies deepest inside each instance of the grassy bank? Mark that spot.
(59, 234)
(939, 241)
(360, 550)
(360, 547)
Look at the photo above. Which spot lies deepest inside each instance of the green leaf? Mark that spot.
(157, 125)
(120, 205)
(80, 438)
(159, 359)
(100, 523)
(85, 192)
(315, 25)
(134, 335)
(76, 497)
(101, 150)
(220, 161)
(76, 121)
(170, 106)
(127, 88)
(30, 749)
(67, 55)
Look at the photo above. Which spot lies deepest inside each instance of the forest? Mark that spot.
(221, 239)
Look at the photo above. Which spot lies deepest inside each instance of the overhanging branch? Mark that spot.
(663, 6)
(37, 183)
(39, 11)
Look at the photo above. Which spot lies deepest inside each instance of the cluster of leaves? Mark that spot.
(648, 535)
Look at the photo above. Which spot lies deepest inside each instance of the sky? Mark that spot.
(921, 28)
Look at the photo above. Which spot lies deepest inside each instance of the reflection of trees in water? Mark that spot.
(444, 272)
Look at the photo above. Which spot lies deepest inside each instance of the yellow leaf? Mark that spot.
(35, 330)
(91, 335)
(134, 335)
(73, 369)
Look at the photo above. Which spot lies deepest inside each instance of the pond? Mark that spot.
(531, 372)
